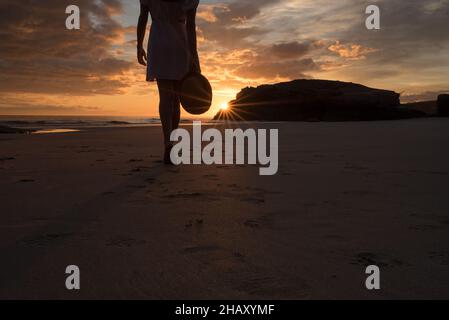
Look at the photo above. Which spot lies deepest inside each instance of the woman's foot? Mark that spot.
(167, 157)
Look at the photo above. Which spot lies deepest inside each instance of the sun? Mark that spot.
(224, 106)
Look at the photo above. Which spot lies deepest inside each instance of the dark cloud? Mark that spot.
(242, 10)
(16, 106)
(293, 69)
(410, 51)
(288, 50)
(228, 30)
(39, 55)
(410, 31)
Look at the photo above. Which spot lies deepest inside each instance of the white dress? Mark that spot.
(169, 52)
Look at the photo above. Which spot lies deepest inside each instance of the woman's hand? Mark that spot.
(195, 66)
(141, 29)
(141, 56)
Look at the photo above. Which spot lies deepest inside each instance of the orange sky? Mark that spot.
(48, 70)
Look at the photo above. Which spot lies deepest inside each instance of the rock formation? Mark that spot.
(316, 100)
(443, 105)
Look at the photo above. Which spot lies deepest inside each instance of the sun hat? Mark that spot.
(195, 93)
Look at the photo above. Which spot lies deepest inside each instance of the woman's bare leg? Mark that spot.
(167, 101)
(176, 111)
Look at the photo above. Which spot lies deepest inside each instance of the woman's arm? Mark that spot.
(141, 29)
(191, 37)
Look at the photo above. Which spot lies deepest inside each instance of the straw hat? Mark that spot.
(196, 93)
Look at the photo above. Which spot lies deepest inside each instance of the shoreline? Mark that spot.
(67, 128)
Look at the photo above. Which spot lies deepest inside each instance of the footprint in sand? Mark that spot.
(27, 180)
(198, 223)
(361, 193)
(251, 224)
(335, 237)
(140, 169)
(227, 167)
(265, 221)
(86, 151)
(213, 177)
(368, 258)
(239, 255)
(425, 227)
(353, 166)
(254, 196)
(137, 186)
(192, 195)
(107, 193)
(440, 257)
(200, 249)
(264, 284)
(439, 173)
(124, 241)
(430, 220)
(46, 239)
(253, 200)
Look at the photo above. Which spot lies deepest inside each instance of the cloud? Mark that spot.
(412, 33)
(242, 10)
(288, 50)
(270, 70)
(423, 96)
(14, 106)
(233, 48)
(39, 55)
(350, 51)
(225, 23)
(242, 42)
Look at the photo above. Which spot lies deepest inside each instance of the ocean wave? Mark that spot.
(43, 123)
(63, 122)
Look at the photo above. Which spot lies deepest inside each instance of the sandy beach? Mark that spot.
(347, 195)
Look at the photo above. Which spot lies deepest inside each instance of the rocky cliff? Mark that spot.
(316, 100)
(443, 105)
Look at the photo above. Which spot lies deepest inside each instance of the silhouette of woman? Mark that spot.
(172, 54)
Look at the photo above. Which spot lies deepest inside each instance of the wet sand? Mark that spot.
(347, 195)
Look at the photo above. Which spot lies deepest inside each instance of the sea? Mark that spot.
(67, 123)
